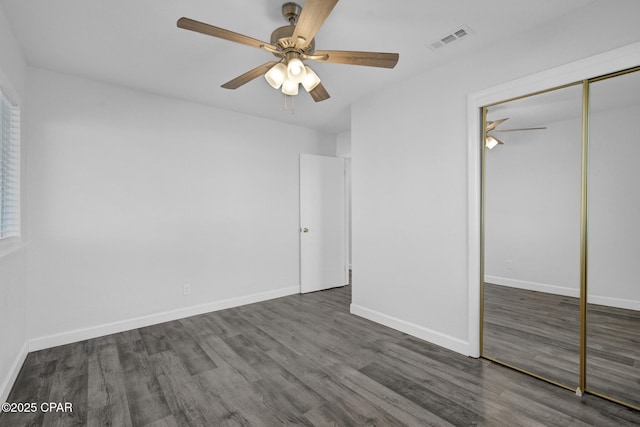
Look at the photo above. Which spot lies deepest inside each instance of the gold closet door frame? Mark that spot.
(584, 241)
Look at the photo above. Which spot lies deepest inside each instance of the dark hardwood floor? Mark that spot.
(540, 333)
(613, 352)
(298, 360)
(535, 331)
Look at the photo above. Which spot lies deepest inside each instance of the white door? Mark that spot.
(323, 255)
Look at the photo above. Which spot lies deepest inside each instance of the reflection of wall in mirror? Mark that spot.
(614, 212)
(532, 212)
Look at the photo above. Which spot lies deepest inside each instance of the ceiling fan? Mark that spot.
(292, 44)
(491, 141)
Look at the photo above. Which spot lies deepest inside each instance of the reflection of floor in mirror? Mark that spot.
(613, 357)
(534, 331)
(540, 333)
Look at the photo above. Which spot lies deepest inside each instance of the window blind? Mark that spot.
(9, 167)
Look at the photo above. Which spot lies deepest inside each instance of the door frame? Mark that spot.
(605, 63)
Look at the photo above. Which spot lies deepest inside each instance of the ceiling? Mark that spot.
(136, 44)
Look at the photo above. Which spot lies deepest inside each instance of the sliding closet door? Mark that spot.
(532, 235)
(613, 311)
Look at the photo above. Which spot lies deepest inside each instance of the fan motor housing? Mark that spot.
(282, 37)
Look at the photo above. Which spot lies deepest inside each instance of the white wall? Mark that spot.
(532, 209)
(410, 174)
(343, 145)
(614, 204)
(13, 276)
(343, 149)
(132, 196)
(13, 317)
(12, 63)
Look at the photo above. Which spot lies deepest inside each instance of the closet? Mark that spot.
(560, 245)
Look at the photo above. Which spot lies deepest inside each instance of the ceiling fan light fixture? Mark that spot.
(311, 79)
(290, 87)
(276, 75)
(491, 142)
(293, 44)
(296, 70)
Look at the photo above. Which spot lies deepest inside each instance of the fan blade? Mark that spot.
(313, 15)
(369, 59)
(249, 75)
(493, 124)
(319, 93)
(519, 129)
(210, 30)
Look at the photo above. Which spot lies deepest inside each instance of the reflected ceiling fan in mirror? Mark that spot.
(292, 44)
(491, 141)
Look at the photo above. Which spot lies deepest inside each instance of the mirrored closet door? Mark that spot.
(561, 235)
(613, 284)
(532, 234)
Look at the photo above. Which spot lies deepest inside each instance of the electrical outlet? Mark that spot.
(186, 289)
(509, 264)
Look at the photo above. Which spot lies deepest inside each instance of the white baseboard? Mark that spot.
(614, 302)
(568, 292)
(533, 286)
(68, 337)
(418, 331)
(7, 383)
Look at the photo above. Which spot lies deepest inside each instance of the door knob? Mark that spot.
(305, 230)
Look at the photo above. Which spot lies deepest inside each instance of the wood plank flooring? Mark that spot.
(298, 360)
(613, 352)
(535, 331)
(539, 332)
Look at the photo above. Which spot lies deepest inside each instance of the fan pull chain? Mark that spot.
(293, 104)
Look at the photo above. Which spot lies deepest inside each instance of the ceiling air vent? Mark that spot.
(452, 37)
